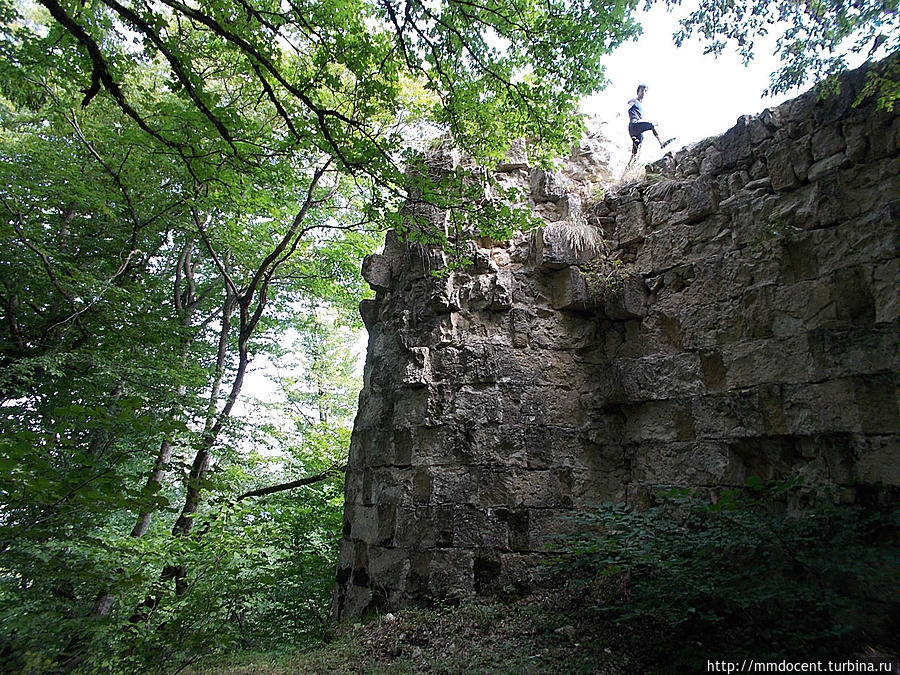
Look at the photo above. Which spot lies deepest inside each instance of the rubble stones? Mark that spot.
(753, 331)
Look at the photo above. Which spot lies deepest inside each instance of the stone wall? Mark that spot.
(750, 329)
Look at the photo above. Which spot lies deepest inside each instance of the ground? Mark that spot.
(553, 631)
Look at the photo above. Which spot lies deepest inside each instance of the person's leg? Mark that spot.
(635, 144)
(636, 130)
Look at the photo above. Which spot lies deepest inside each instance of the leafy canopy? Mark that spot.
(815, 38)
(344, 79)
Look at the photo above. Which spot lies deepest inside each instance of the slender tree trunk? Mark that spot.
(186, 302)
(154, 482)
(203, 458)
(251, 304)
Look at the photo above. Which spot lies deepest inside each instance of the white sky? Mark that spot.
(690, 95)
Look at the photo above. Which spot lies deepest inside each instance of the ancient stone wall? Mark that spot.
(749, 329)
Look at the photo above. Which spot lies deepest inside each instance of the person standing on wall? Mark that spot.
(636, 124)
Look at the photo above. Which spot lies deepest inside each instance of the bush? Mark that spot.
(745, 574)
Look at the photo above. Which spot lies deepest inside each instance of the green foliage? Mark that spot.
(814, 38)
(745, 570)
(260, 572)
(882, 84)
(604, 274)
(238, 93)
(112, 347)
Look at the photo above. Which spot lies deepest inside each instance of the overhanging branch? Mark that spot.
(282, 487)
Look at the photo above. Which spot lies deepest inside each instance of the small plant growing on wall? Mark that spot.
(580, 235)
(605, 274)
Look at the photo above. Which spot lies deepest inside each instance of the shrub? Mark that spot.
(743, 574)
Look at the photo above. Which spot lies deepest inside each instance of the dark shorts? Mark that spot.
(637, 129)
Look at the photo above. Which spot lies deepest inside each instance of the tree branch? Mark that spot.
(282, 487)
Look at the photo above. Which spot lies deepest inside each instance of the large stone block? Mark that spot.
(451, 573)
(423, 527)
(479, 528)
(660, 377)
(625, 297)
(880, 463)
(776, 360)
(387, 485)
(733, 414)
(860, 349)
(822, 407)
(558, 247)
(659, 421)
(495, 445)
(693, 464)
(376, 269)
(570, 291)
(548, 186)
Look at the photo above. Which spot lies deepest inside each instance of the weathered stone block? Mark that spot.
(886, 292)
(826, 165)
(411, 406)
(548, 186)
(756, 362)
(497, 488)
(387, 485)
(555, 249)
(837, 353)
(825, 407)
(417, 372)
(735, 145)
(502, 292)
(495, 444)
(552, 446)
(551, 406)
(424, 526)
(625, 298)
(545, 526)
(781, 169)
(699, 202)
(453, 485)
(570, 291)
(630, 223)
(880, 464)
(368, 310)
(607, 485)
(659, 421)
(766, 458)
(734, 414)
(376, 269)
(450, 573)
(475, 528)
(694, 464)
(660, 377)
(545, 488)
(826, 142)
(876, 400)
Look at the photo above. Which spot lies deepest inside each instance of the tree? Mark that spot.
(121, 361)
(815, 37)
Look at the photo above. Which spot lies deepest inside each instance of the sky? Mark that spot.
(690, 95)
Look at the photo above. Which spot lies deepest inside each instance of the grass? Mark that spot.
(542, 633)
(561, 631)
